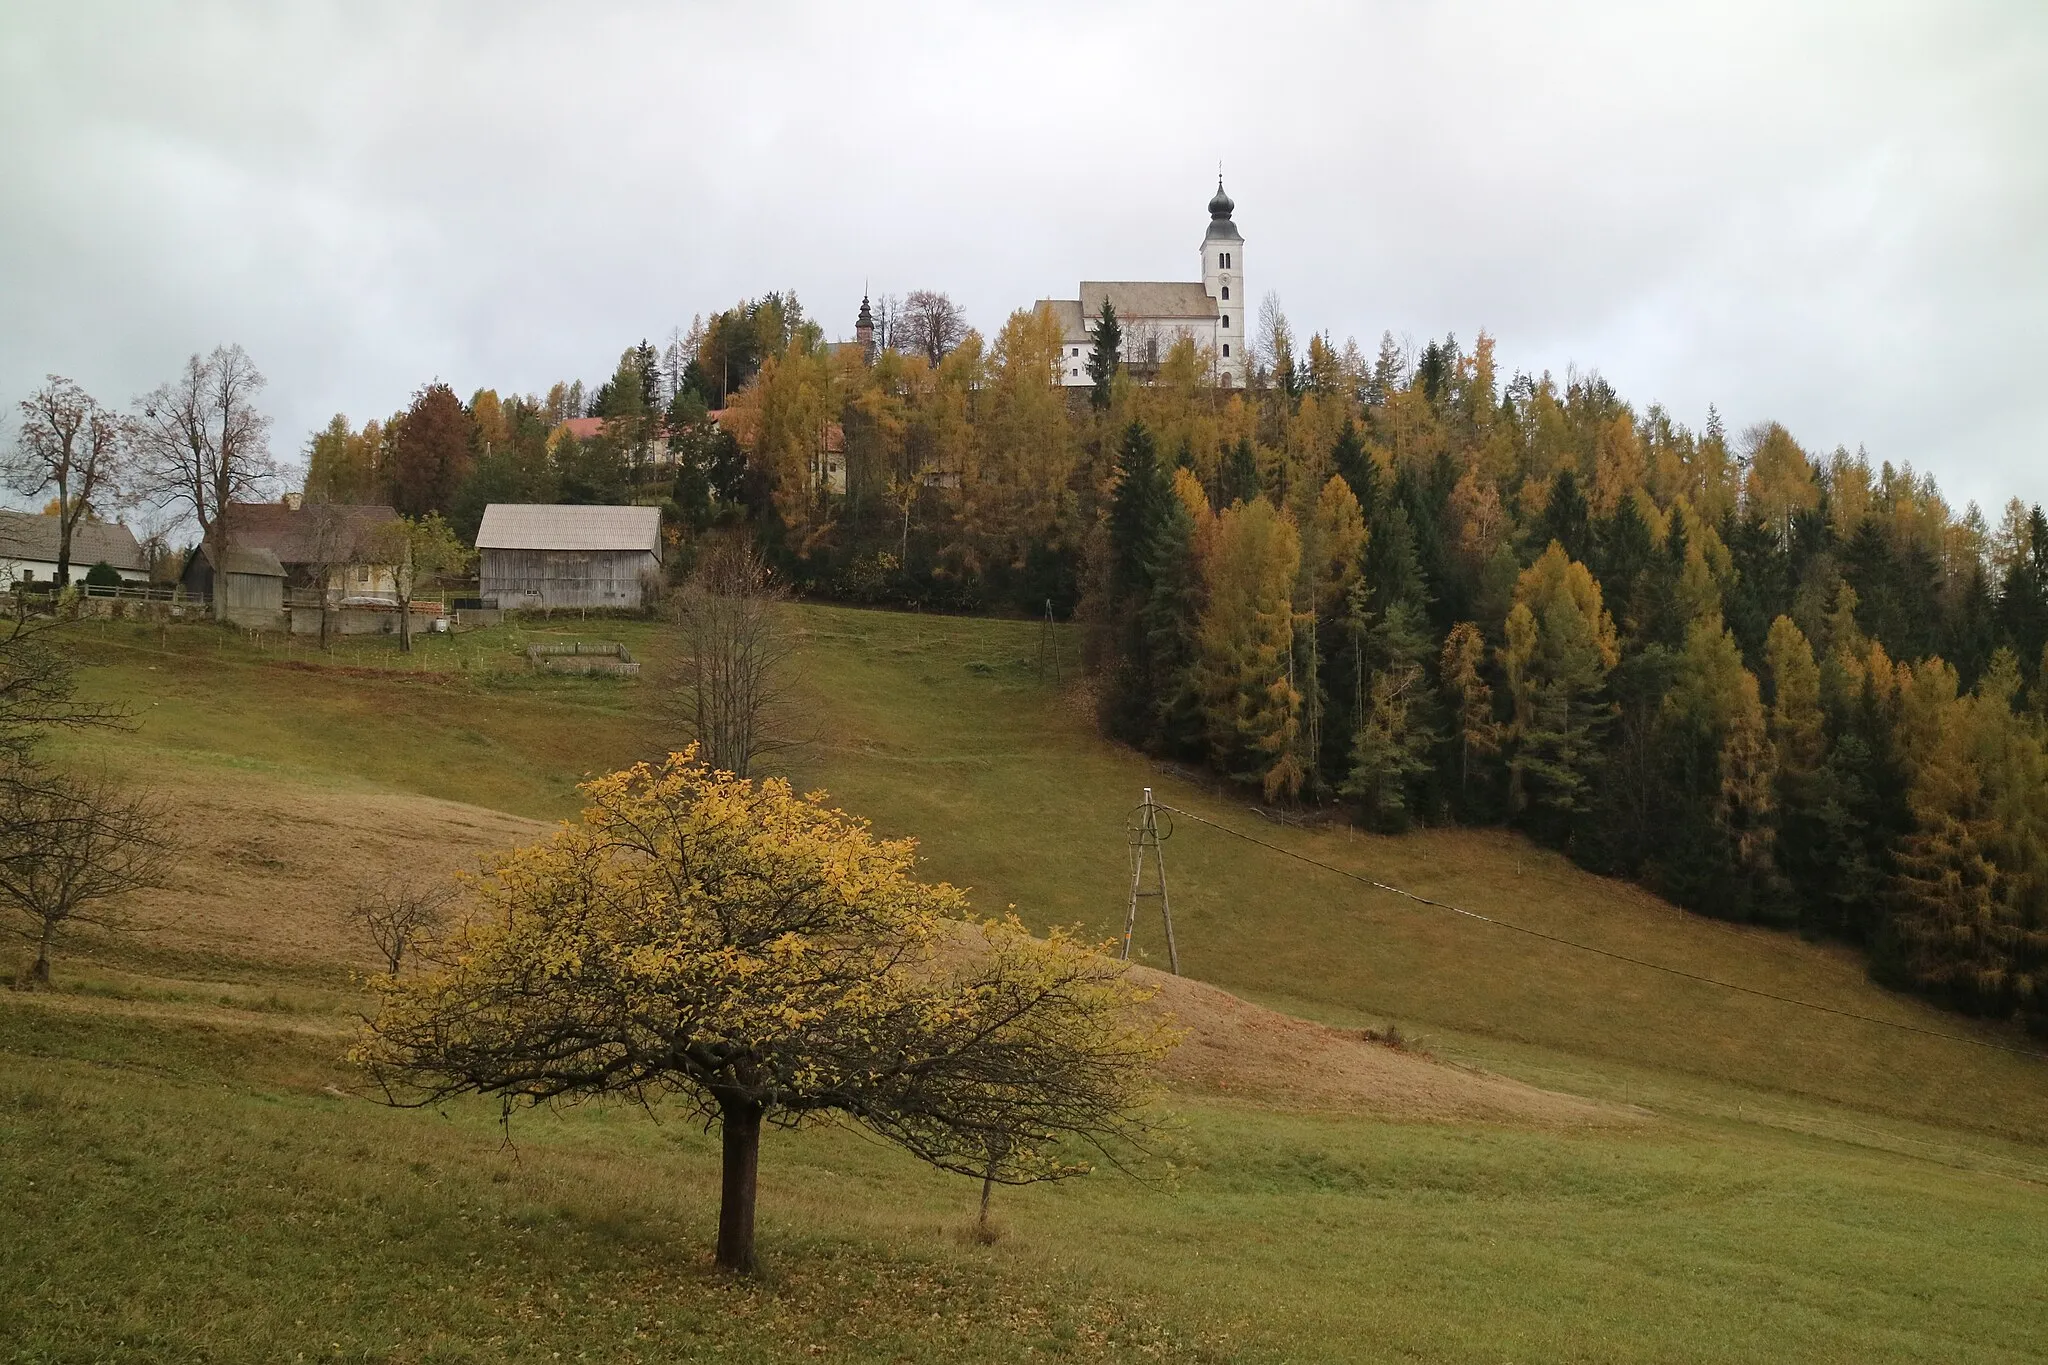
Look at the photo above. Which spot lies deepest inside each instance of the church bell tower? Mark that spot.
(1223, 279)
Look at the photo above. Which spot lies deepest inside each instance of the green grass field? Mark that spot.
(184, 1176)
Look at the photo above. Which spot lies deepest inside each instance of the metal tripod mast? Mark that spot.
(1048, 644)
(1145, 840)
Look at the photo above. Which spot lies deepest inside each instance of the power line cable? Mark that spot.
(1602, 952)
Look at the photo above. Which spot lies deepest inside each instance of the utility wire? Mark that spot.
(1602, 952)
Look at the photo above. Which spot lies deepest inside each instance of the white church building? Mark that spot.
(1154, 314)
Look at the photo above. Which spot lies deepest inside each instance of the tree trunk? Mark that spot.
(40, 972)
(741, 1121)
(217, 547)
(405, 625)
(981, 1227)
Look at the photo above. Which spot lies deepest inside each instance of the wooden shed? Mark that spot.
(551, 555)
(251, 587)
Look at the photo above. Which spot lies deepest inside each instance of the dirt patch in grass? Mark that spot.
(270, 870)
(1237, 1048)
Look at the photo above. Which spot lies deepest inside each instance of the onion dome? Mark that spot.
(1221, 229)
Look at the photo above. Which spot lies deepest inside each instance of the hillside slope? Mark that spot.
(190, 1175)
(949, 729)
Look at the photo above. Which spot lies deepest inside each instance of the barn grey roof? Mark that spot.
(554, 526)
(29, 535)
(1147, 299)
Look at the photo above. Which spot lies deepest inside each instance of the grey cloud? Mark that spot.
(1830, 215)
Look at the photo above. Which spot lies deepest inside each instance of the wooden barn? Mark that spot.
(546, 555)
(251, 587)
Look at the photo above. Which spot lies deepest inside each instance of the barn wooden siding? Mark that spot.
(567, 578)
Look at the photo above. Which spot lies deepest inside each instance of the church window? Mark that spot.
(1226, 322)
(1226, 350)
(1226, 293)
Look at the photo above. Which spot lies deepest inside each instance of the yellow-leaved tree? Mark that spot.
(761, 958)
(1245, 647)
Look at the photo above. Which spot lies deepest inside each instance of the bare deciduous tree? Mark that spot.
(36, 695)
(929, 323)
(70, 444)
(69, 848)
(201, 445)
(332, 543)
(398, 915)
(731, 692)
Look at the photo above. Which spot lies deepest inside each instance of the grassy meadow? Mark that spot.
(185, 1173)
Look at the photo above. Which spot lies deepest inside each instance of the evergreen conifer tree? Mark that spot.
(1102, 361)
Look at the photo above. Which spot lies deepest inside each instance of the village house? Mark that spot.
(1154, 314)
(551, 555)
(28, 549)
(341, 549)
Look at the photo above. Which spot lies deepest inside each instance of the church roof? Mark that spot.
(1068, 314)
(1173, 299)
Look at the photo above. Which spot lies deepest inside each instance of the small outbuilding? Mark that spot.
(251, 586)
(551, 555)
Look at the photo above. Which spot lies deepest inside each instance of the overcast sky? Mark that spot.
(1835, 216)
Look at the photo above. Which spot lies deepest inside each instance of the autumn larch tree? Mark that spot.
(761, 959)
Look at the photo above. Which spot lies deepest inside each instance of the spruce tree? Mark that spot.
(1355, 465)
(1102, 361)
(1137, 509)
(1239, 475)
(1565, 517)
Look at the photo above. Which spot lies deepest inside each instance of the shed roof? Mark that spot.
(252, 560)
(29, 535)
(554, 526)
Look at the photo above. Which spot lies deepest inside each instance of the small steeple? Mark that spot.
(864, 330)
(1221, 205)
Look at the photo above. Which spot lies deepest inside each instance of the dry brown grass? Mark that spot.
(268, 872)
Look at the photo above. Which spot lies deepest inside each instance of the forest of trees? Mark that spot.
(1774, 685)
